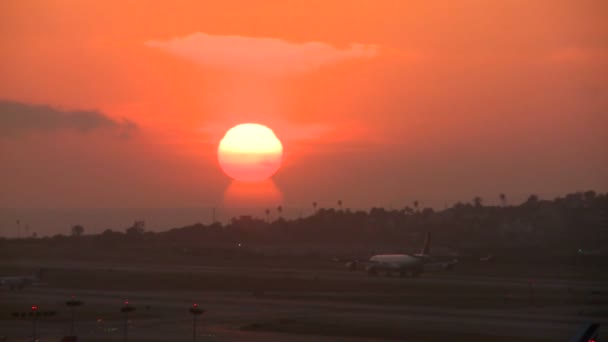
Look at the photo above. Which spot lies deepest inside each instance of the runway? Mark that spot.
(304, 305)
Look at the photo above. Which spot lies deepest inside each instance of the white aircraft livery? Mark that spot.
(410, 265)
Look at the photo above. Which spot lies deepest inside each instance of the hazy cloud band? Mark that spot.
(259, 55)
(19, 118)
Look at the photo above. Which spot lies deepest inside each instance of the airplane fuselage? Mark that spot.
(403, 264)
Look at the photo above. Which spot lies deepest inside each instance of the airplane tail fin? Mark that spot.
(426, 249)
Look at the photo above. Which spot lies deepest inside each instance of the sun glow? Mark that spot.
(249, 197)
(250, 152)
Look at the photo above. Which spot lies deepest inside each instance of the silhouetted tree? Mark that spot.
(280, 211)
(503, 199)
(136, 230)
(416, 204)
(109, 235)
(77, 230)
(590, 195)
(314, 207)
(426, 212)
(340, 204)
(551, 224)
(477, 201)
(532, 199)
(459, 205)
(408, 211)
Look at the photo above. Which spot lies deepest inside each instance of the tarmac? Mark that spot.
(355, 307)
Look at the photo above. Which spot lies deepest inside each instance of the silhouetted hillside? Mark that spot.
(548, 228)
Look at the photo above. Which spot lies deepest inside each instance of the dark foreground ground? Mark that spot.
(271, 301)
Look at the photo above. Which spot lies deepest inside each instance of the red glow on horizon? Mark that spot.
(247, 195)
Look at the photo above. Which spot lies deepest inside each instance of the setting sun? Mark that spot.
(338, 165)
(250, 152)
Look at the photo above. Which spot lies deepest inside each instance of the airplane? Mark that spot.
(589, 252)
(410, 265)
(19, 282)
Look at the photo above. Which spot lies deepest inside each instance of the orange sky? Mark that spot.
(376, 102)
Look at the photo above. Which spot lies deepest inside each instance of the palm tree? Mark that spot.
(77, 230)
(416, 203)
(268, 215)
(503, 199)
(340, 204)
(280, 210)
(477, 201)
(314, 207)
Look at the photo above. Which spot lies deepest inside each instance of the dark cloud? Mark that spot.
(19, 118)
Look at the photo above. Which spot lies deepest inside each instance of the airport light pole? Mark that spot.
(73, 303)
(195, 311)
(126, 308)
(34, 314)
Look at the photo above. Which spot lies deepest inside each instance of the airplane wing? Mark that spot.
(440, 265)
